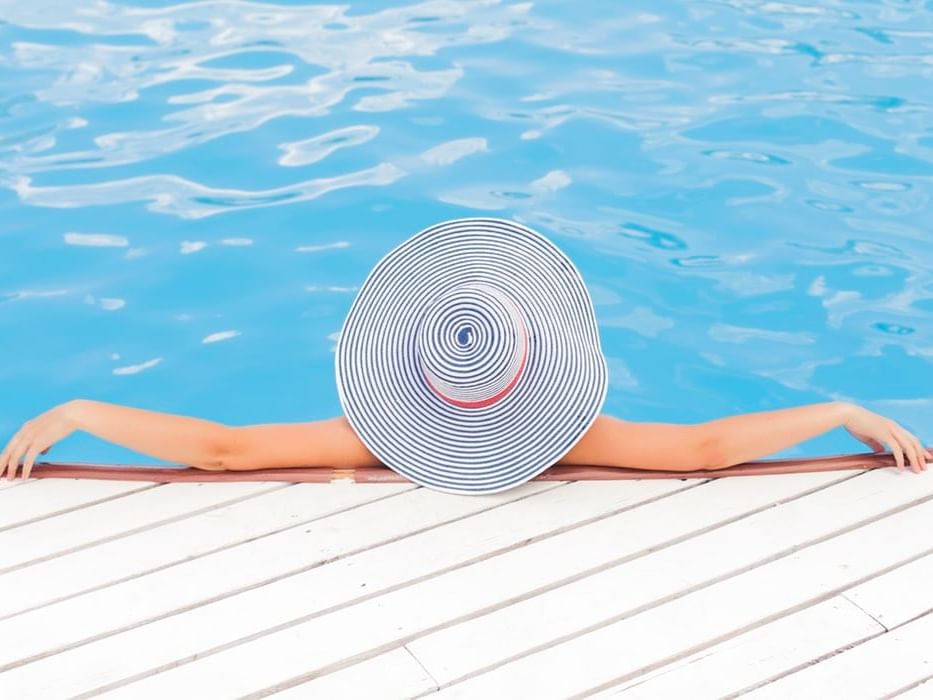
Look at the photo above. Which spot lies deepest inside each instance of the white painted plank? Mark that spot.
(116, 518)
(253, 563)
(456, 651)
(372, 625)
(889, 662)
(9, 483)
(421, 532)
(637, 643)
(395, 674)
(921, 691)
(755, 656)
(46, 497)
(891, 598)
(120, 559)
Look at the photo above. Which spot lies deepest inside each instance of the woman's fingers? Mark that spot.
(875, 429)
(921, 453)
(13, 454)
(913, 446)
(916, 450)
(7, 467)
(35, 437)
(909, 446)
(30, 459)
(7, 460)
(895, 449)
(16, 457)
(6, 453)
(925, 455)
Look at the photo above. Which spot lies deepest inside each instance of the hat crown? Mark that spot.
(472, 345)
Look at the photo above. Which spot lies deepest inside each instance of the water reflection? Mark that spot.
(170, 194)
(745, 184)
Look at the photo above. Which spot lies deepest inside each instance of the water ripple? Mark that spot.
(317, 148)
(358, 52)
(251, 108)
(746, 184)
(170, 194)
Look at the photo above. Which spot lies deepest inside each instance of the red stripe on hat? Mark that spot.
(491, 399)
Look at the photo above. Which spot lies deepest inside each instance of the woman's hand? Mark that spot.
(36, 437)
(873, 430)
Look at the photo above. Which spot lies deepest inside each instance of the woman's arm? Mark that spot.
(181, 439)
(724, 442)
(610, 441)
(196, 442)
(749, 436)
(175, 438)
(613, 442)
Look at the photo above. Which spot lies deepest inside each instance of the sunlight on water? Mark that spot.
(192, 193)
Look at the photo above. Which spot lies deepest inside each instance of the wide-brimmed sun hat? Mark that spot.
(470, 359)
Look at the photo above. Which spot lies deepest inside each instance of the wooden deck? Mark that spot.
(782, 586)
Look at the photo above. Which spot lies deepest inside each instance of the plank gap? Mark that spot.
(79, 506)
(140, 574)
(692, 589)
(141, 528)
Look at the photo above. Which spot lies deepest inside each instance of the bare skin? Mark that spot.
(610, 441)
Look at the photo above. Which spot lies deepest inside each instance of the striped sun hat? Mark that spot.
(470, 360)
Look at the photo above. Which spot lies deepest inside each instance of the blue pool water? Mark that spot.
(192, 193)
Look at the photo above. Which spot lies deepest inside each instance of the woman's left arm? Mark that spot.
(181, 439)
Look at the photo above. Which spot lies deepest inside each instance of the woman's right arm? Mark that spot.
(181, 439)
(748, 436)
(197, 442)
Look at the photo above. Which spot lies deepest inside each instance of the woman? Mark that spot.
(610, 441)
(469, 362)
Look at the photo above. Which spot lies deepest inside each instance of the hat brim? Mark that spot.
(432, 442)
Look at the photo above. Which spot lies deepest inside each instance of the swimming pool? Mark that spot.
(192, 193)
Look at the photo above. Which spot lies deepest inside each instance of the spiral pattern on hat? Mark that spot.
(459, 299)
(473, 345)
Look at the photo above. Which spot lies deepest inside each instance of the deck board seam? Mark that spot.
(423, 668)
(74, 508)
(185, 560)
(369, 653)
(139, 529)
(696, 587)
